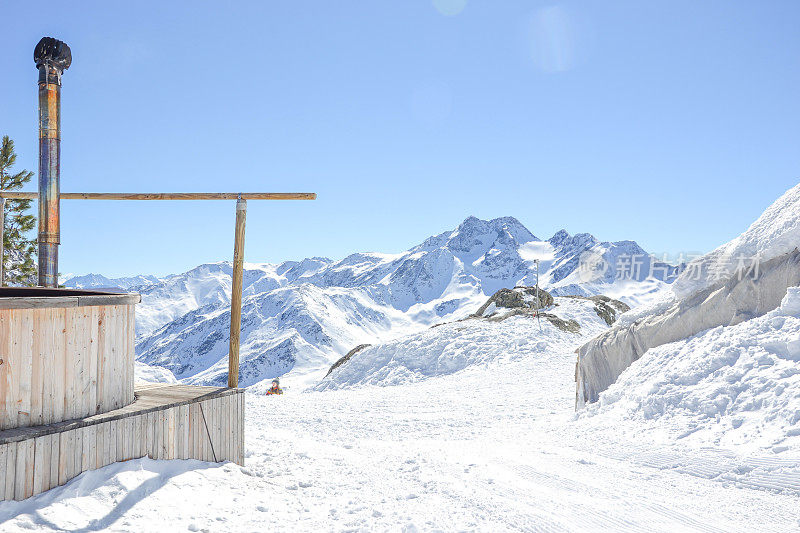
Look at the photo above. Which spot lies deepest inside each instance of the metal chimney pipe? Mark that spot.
(52, 58)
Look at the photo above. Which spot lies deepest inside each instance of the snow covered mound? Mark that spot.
(455, 346)
(775, 233)
(730, 386)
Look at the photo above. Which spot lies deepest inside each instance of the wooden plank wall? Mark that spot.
(209, 430)
(61, 363)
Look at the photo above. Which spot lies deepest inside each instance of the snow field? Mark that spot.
(493, 447)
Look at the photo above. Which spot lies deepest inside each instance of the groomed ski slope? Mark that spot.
(493, 447)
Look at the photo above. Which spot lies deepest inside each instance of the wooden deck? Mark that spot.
(164, 422)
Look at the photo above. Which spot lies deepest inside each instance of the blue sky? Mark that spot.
(672, 123)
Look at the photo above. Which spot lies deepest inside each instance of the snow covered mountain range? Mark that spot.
(96, 281)
(300, 316)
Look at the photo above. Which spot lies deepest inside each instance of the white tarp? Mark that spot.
(747, 294)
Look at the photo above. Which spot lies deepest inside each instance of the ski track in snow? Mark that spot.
(494, 447)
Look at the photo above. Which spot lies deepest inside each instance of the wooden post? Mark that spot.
(236, 294)
(2, 238)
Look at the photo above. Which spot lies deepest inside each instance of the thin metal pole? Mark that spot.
(2, 239)
(52, 57)
(236, 294)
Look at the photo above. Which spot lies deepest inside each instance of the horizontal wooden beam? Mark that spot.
(18, 195)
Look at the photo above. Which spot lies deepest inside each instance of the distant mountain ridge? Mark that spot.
(300, 316)
(97, 281)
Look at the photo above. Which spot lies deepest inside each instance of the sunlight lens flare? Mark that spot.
(450, 8)
(553, 38)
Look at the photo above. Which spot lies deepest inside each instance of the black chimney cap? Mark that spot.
(52, 52)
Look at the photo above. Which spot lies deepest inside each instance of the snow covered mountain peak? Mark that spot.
(503, 225)
(98, 280)
(474, 234)
(562, 239)
(559, 237)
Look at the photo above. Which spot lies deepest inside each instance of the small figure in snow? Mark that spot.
(276, 388)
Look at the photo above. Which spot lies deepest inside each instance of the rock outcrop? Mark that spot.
(606, 308)
(345, 358)
(506, 303)
(523, 298)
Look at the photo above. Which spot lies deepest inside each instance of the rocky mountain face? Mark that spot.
(300, 316)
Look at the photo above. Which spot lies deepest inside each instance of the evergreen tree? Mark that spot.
(18, 250)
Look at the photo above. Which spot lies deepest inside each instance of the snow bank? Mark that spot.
(603, 359)
(740, 280)
(775, 233)
(453, 347)
(95, 500)
(736, 386)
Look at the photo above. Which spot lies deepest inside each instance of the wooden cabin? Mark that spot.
(68, 401)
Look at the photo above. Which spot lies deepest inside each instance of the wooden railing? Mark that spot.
(238, 245)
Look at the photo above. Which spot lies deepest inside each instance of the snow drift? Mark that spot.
(730, 302)
(718, 296)
(736, 386)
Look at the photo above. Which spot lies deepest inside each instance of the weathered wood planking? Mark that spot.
(8, 407)
(165, 422)
(65, 362)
